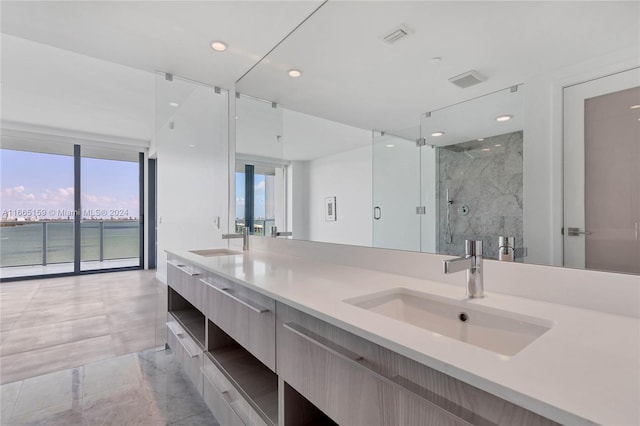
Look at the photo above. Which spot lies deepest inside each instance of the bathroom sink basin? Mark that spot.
(499, 331)
(215, 252)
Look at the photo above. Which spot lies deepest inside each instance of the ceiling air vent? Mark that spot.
(467, 79)
(396, 34)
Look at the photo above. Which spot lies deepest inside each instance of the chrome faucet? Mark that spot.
(275, 233)
(472, 263)
(244, 235)
(506, 249)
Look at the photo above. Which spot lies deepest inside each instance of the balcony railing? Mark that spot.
(30, 243)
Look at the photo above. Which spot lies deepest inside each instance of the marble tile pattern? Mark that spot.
(485, 176)
(144, 388)
(48, 325)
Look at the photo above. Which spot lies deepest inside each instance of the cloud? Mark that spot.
(259, 186)
(65, 192)
(18, 197)
(16, 194)
(9, 192)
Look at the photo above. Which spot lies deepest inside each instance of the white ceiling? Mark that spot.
(51, 87)
(168, 36)
(349, 75)
(88, 64)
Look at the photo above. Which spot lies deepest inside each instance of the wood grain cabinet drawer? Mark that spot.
(229, 397)
(245, 315)
(185, 279)
(186, 351)
(355, 381)
(219, 403)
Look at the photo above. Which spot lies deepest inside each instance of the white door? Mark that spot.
(602, 173)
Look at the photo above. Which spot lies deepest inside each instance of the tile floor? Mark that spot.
(145, 388)
(55, 324)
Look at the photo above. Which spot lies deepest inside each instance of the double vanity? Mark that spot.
(271, 338)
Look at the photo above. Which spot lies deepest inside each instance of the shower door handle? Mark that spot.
(377, 213)
(576, 232)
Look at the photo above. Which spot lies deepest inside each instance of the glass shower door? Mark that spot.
(396, 192)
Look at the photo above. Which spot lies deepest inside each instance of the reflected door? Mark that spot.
(602, 173)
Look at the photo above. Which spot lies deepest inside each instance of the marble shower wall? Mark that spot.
(485, 176)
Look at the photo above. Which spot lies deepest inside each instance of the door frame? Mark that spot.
(610, 83)
(554, 84)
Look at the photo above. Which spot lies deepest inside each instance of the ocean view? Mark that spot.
(21, 243)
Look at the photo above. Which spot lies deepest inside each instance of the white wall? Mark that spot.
(192, 180)
(346, 176)
(542, 157)
(298, 199)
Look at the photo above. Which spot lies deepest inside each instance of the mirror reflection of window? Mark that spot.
(263, 213)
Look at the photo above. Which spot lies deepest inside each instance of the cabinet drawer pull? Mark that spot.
(225, 394)
(227, 397)
(185, 345)
(186, 271)
(225, 291)
(441, 403)
(175, 328)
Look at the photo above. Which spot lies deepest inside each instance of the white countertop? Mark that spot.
(586, 368)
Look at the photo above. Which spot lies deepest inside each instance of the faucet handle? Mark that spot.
(473, 247)
(506, 242)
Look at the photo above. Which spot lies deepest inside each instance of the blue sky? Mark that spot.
(31, 180)
(258, 195)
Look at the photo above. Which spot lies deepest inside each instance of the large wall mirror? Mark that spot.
(417, 125)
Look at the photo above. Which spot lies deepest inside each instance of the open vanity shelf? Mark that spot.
(254, 381)
(190, 318)
(193, 322)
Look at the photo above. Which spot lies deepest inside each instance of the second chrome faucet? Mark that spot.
(472, 263)
(244, 235)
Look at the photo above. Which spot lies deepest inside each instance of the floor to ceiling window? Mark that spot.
(46, 229)
(110, 196)
(37, 203)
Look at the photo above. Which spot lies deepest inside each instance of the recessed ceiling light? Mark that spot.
(635, 106)
(497, 145)
(485, 149)
(174, 104)
(389, 145)
(192, 145)
(218, 46)
(294, 73)
(436, 134)
(504, 117)
(480, 140)
(436, 59)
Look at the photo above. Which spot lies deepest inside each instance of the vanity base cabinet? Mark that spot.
(346, 376)
(245, 315)
(355, 381)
